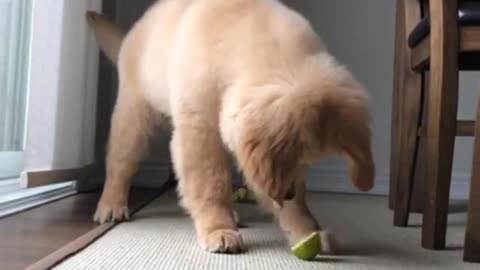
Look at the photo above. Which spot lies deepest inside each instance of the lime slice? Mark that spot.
(240, 195)
(308, 248)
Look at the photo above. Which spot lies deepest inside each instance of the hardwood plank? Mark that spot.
(442, 111)
(31, 235)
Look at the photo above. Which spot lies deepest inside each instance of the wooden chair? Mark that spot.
(472, 235)
(435, 39)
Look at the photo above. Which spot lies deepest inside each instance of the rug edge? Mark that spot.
(85, 240)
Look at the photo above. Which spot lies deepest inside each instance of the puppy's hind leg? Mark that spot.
(130, 127)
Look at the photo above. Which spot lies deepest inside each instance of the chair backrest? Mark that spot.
(413, 13)
(415, 10)
(443, 17)
(424, 5)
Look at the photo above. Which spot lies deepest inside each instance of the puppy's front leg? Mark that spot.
(296, 220)
(203, 169)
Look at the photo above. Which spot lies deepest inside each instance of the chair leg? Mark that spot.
(395, 149)
(418, 175)
(402, 114)
(412, 104)
(442, 118)
(472, 235)
(396, 112)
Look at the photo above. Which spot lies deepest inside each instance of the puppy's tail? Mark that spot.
(281, 129)
(109, 37)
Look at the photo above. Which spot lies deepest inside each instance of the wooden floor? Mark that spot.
(27, 237)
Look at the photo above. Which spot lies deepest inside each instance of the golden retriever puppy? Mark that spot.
(243, 78)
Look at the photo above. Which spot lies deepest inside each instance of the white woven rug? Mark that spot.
(162, 237)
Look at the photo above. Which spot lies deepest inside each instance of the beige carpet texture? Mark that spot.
(162, 237)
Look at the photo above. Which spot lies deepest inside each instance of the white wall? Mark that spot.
(361, 35)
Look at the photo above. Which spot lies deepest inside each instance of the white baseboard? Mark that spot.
(338, 180)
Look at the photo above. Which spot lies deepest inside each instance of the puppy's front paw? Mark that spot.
(223, 241)
(328, 243)
(111, 212)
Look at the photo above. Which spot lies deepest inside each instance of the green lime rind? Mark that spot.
(308, 248)
(240, 195)
(243, 195)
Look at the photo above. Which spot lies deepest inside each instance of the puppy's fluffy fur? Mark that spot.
(248, 78)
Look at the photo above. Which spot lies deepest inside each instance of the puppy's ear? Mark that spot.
(360, 161)
(268, 155)
(355, 146)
